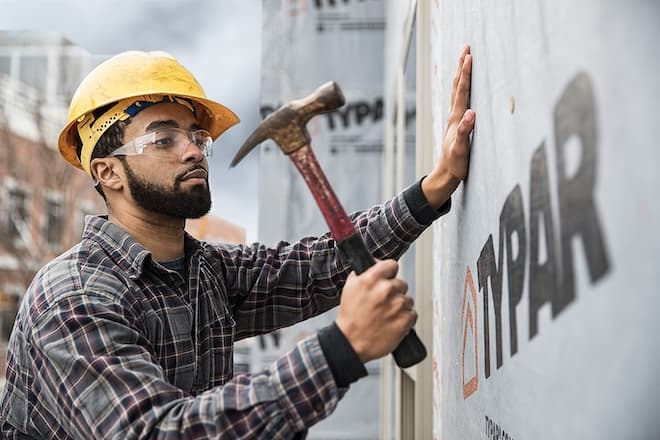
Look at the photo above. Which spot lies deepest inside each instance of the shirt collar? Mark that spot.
(127, 253)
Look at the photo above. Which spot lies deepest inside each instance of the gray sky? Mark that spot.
(219, 41)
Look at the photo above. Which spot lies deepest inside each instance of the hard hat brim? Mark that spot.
(220, 119)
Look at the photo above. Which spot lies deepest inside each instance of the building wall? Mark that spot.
(543, 273)
(43, 202)
(545, 280)
(47, 180)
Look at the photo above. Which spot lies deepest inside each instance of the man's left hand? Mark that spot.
(452, 166)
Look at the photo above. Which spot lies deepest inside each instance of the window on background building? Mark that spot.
(16, 215)
(53, 220)
(33, 71)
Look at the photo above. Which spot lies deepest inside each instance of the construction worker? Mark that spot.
(130, 333)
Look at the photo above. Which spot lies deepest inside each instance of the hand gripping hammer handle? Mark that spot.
(411, 350)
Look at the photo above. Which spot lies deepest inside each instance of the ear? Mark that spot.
(108, 173)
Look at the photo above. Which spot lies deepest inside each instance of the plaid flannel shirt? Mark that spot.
(109, 344)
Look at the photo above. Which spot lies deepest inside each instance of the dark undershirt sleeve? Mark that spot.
(419, 206)
(342, 359)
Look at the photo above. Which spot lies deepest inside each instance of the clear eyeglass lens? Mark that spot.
(178, 139)
(203, 140)
(168, 140)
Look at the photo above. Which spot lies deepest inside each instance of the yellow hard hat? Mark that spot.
(123, 80)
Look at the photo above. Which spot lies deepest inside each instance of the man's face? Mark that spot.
(174, 184)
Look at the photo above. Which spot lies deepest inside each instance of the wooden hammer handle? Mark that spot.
(411, 350)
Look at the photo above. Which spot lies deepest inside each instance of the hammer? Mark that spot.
(287, 127)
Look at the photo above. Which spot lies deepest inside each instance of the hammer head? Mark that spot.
(287, 125)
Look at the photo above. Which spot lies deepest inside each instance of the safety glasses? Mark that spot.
(168, 141)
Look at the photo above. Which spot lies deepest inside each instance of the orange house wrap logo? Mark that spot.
(469, 319)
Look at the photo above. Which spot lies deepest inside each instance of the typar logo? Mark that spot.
(537, 244)
(469, 319)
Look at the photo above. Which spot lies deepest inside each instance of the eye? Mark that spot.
(163, 140)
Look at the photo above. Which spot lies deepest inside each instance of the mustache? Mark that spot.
(179, 176)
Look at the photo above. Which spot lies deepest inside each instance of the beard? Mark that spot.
(172, 202)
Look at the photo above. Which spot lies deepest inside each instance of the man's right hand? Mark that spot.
(375, 314)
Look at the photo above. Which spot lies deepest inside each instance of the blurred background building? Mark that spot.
(43, 201)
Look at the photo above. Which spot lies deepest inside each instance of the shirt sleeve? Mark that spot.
(274, 287)
(96, 374)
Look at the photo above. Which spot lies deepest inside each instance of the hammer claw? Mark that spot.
(255, 139)
(286, 125)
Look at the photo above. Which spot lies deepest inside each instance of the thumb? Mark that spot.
(463, 132)
(467, 123)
